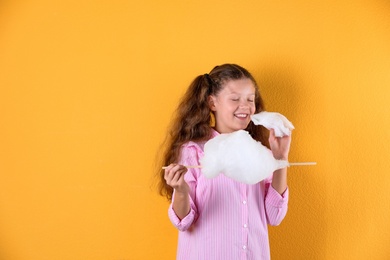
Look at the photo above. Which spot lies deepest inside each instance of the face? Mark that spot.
(233, 105)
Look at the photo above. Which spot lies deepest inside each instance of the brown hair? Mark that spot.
(193, 116)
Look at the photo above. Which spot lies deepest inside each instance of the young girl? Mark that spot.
(220, 218)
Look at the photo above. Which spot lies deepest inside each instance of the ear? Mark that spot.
(211, 101)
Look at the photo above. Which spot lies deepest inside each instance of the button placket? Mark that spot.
(245, 216)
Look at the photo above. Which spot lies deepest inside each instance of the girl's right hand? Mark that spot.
(174, 176)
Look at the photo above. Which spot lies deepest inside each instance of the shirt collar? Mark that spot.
(214, 133)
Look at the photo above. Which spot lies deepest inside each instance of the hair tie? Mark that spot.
(209, 80)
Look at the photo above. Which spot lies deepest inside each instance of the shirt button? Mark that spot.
(244, 247)
(244, 201)
(245, 225)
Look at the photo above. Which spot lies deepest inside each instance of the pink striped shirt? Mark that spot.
(228, 219)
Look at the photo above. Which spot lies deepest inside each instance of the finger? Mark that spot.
(179, 176)
(171, 174)
(168, 169)
(176, 167)
(272, 138)
(175, 178)
(272, 133)
(180, 168)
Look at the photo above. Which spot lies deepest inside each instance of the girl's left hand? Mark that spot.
(280, 146)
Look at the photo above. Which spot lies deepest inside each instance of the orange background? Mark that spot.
(87, 89)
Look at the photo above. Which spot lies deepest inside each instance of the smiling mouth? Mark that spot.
(241, 116)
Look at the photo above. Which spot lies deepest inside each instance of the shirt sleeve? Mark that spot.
(275, 204)
(189, 156)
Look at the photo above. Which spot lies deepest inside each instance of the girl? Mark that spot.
(220, 218)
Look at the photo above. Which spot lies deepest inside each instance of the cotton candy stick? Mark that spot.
(301, 163)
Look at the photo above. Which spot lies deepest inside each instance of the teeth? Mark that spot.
(241, 115)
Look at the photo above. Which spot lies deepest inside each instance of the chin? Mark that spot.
(241, 128)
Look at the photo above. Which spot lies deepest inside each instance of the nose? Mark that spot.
(244, 104)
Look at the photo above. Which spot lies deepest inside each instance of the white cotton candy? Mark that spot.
(240, 157)
(273, 120)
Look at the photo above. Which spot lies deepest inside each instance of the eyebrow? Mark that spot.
(235, 93)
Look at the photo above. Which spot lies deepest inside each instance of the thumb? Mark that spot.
(272, 135)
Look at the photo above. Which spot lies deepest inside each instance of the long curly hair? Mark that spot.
(193, 119)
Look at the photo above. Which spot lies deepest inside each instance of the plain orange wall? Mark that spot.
(87, 89)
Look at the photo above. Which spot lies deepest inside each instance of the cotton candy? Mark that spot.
(273, 120)
(238, 156)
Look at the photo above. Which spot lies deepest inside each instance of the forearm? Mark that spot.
(279, 180)
(280, 147)
(181, 204)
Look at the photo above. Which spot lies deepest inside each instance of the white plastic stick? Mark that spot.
(301, 163)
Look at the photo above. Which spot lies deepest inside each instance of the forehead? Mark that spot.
(239, 86)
